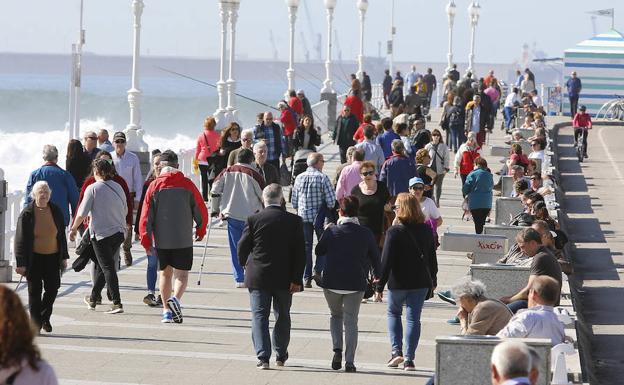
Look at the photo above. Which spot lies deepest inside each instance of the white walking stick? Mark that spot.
(201, 268)
(19, 283)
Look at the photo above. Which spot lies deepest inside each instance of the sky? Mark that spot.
(191, 28)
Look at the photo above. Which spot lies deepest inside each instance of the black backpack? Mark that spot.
(455, 119)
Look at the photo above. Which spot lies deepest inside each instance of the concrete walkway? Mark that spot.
(213, 345)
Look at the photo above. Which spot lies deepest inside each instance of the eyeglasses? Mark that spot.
(418, 187)
(367, 173)
(246, 139)
(119, 141)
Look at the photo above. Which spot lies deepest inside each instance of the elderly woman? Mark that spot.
(477, 314)
(106, 229)
(373, 198)
(350, 251)
(478, 191)
(409, 266)
(41, 252)
(439, 155)
(466, 155)
(20, 359)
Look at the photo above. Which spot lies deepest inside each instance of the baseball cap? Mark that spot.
(415, 180)
(119, 135)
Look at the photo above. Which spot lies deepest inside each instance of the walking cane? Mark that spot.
(201, 268)
(19, 283)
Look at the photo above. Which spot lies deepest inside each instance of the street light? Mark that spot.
(473, 15)
(219, 114)
(362, 6)
(134, 137)
(327, 84)
(231, 114)
(292, 17)
(451, 11)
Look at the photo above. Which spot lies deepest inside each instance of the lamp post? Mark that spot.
(232, 113)
(451, 11)
(134, 137)
(473, 13)
(328, 84)
(74, 88)
(391, 41)
(219, 114)
(362, 6)
(292, 17)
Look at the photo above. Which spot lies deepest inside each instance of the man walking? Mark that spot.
(271, 133)
(269, 173)
(372, 151)
(574, 87)
(90, 145)
(237, 194)
(247, 137)
(272, 251)
(312, 194)
(102, 141)
(128, 167)
(387, 87)
(432, 84)
(342, 135)
(171, 204)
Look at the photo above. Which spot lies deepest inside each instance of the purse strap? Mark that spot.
(116, 193)
(420, 253)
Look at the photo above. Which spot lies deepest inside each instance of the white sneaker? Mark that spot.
(241, 285)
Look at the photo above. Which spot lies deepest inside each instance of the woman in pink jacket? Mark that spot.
(206, 153)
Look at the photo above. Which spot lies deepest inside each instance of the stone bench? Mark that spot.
(526, 132)
(508, 231)
(499, 151)
(484, 248)
(507, 186)
(506, 208)
(466, 360)
(501, 280)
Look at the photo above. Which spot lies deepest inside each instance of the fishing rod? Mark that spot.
(213, 86)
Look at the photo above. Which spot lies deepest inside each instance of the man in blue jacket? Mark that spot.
(63, 186)
(397, 170)
(574, 90)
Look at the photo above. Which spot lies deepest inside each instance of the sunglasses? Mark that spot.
(91, 137)
(120, 141)
(246, 139)
(421, 187)
(367, 173)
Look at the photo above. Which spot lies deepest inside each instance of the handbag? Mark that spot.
(422, 258)
(370, 288)
(85, 252)
(285, 176)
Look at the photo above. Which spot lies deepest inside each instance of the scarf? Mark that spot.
(343, 220)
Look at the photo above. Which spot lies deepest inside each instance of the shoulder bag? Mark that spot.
(422, 258)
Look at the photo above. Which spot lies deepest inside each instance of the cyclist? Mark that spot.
(581, 123)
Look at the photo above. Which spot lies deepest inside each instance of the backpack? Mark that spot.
(455, 119)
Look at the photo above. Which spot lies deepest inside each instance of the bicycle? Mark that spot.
(580, 147)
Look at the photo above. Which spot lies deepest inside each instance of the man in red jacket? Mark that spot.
(289, 124)
(172, 203)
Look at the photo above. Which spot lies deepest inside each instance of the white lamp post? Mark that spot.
(451, 11)
(362, 6)
(219, 115)
(292, 17)
(232, 113)
(328, 84)
(134, 138)
(473, 14)
(391, 41)
(74, 88)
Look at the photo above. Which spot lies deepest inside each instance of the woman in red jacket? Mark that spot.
(466, 155)
(354, 102)
(289, 124)
(206, 153)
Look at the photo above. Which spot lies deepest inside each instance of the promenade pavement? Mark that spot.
(593, 202)
(213, 345)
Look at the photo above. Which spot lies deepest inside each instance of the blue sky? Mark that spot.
(191, 27)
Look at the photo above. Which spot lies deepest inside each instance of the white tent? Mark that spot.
(599, 62)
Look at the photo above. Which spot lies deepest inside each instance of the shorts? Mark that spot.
(181, 259)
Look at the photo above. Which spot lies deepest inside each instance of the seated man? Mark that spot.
(539, 320)
(543, 263)
(479, 315)
(511, 363)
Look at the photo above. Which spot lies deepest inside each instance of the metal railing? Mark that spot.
(612, 110)
(14, 207)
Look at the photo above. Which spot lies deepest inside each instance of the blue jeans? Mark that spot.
(260, 301)
(508, 112)
(414, 301)
(235, 232)
(517, 305)
(152, 274)
(308, 237)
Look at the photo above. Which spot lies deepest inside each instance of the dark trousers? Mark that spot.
(579, 132)
(479, 216)
(204, 171)
(343, 154)
(105, 272)
(573, 105)
(308, 237)
(260, 301)
(44, 274)
(463, 179)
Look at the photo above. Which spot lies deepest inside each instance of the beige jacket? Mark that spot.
(487, 318)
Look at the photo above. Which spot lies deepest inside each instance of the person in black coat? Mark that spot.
(306, 137)
(266, 169)
(271, 250)
(41, 252)
(346, 125)
(409, 267)
(350, 251)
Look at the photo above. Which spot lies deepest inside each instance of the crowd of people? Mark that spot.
(375, 221)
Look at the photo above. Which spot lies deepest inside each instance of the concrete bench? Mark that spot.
(506, 208)
(501, 280)
(484, 248)
(465, 360)
(526, 132)
(508, 231)
(499, 151)
(507, 185)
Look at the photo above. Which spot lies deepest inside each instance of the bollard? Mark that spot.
(5, 267)
(559, 367)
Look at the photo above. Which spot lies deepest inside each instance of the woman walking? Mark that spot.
(439, 154)
(374, 200)
(41, 253)
(206, 154)
(20, 359)
(424, 171)
(466, 156)
(106, 229)
(350, 252)
(77, 163)
(306, 137)
(478, 190)
(230, 141)
(409, 267)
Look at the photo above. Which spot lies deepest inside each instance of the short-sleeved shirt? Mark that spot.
(545, 263)
(430, 209)
(105, 202)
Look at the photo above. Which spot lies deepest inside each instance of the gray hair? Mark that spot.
(50, 153)
(272, 194)
(259, 145)
(89, 133)
(248, 132)
(398, 146)
(314, 158)
(466, 287)
(40, 185)
(511, 359)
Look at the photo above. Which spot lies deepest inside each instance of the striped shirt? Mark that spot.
(312, 188)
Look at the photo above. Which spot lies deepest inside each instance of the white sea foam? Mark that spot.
(20, 153)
